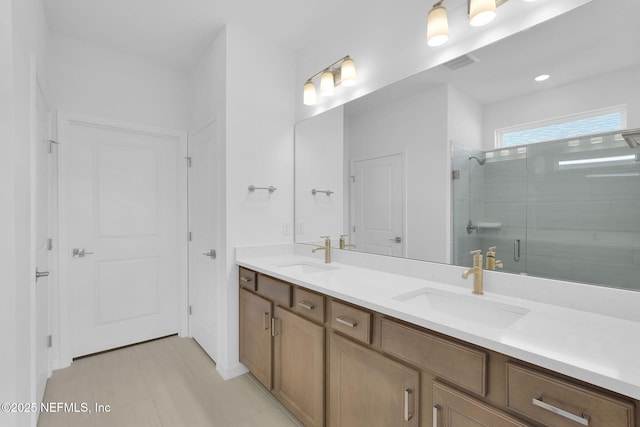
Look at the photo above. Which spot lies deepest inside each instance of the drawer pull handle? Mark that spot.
(273, 327)
(584, 419)
(436, 415)
(407, 394)
(245, 279)
(347, 322)
(265, 323)
(306, 305)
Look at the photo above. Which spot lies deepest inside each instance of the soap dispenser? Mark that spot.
(492, 263)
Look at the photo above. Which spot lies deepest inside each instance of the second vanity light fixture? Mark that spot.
(481, 12)
(342, 72)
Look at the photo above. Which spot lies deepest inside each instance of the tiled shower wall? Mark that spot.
(579, 222)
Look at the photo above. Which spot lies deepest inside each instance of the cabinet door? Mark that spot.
(255, 335)
(369, 389)
(452, 408)
(298, 366)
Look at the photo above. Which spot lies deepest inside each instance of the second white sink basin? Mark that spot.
(472, 309)
(305, 268)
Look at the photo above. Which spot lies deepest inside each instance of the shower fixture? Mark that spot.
(479, 160)
(632, 137)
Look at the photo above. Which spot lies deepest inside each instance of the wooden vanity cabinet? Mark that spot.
(369, 389)
(336, 364)
(298, 366)
(255, 335)
(283, 350)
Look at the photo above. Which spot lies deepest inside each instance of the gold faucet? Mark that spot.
(326, 248)
(476, 270)
(343, 243)
(492, 263)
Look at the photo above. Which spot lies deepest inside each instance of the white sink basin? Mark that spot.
(474, 309)
(305, 268)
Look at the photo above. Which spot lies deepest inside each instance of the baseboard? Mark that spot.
(229, 372)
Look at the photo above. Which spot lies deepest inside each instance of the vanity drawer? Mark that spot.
(308, 304)
(247, 279)
(456, 363)
(558, 403)
(351, 321)
(277, 291)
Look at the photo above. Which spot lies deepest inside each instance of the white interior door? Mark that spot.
(378, 205)
(123, 223)
(204, 217)
(41, 365)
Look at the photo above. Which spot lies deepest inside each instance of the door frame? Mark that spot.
(36, 90)
(65, 120)
(219, 277)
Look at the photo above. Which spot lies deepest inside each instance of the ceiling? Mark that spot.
(176, 32)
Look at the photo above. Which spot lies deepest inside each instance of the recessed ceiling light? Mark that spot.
(542, 77)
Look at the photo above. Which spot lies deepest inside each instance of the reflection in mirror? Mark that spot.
(420, 168)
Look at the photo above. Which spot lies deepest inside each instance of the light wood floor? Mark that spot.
(168, 382)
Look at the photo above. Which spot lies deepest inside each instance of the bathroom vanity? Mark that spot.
(346, 346)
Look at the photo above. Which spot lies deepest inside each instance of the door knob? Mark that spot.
(80, 253)
(396, 240)
(40, 274)
(211, 253)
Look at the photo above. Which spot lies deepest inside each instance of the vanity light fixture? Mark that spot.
(481, 12)
(342, 72)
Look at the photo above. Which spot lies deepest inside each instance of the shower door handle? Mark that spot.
(516, 250)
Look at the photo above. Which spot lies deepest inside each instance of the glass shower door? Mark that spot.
(503, 222)
(584, 196)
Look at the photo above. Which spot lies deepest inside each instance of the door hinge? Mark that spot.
(49, 244)
(51, 142)
(188, 161)
(354, 228)
(190, 310)
(49, 341)
(353, 178)
(455, 174)
(189, 236)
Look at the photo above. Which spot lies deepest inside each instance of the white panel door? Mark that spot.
(204, 218)
(41, 367)
(378, 205)
(123, 219)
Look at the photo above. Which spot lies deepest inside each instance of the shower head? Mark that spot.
(480, 161)
(632, 137)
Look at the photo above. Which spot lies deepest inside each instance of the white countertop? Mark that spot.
(595, 348)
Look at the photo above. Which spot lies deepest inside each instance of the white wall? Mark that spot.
(88, 79)
(618, 88)
(319, 157)
(8, 328)
(23, 35)
(259, 150)
(417, 128)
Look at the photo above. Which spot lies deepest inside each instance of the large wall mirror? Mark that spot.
(452, 160)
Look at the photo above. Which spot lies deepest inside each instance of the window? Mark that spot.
(605, 120)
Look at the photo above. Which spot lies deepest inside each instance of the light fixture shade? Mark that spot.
(310, 97)
(437, 26)
(481, 12)
(327, 86)
(348, 72)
